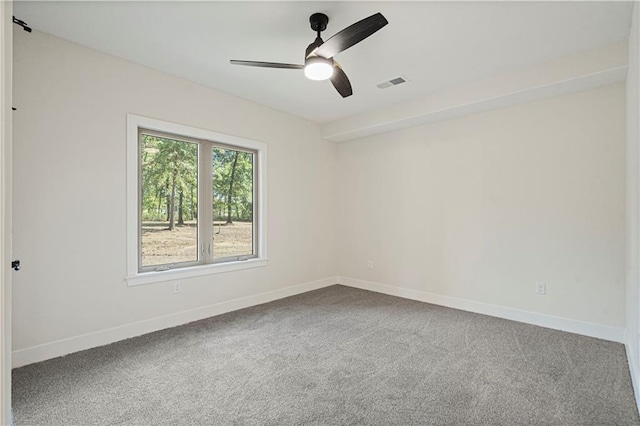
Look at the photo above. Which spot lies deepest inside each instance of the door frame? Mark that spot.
(6, 58)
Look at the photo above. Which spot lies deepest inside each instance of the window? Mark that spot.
(195, 202)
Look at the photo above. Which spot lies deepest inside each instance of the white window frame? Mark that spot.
(134, 276)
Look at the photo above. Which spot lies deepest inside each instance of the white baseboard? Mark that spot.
(633, 367)
(70, 345)
(604, 332)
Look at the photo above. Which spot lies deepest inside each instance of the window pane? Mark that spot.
(232, 203)
(169, 202)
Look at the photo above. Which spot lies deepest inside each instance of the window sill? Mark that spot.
(193, 271)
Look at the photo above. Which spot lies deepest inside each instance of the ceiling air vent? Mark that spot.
(393, 82)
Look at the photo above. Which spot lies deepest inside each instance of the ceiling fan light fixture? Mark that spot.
(317, 68)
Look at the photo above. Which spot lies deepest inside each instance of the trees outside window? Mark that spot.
(232, 202)
(176, 229)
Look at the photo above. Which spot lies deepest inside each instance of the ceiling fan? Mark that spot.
(319, 63)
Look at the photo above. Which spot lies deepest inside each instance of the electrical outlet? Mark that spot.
(176, 287)
(541, 288)
(370, 264)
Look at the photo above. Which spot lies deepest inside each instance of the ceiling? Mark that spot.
(434, 45)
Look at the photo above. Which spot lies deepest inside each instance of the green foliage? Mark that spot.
(232, 189)
(170, 182)
(169, 168)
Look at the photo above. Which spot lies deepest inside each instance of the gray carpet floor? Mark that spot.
(335, 356)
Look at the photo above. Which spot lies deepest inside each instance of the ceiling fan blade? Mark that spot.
(340, 81)
(267, 64)
(350, 36)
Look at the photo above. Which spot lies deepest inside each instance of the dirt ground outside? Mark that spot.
(161, 246)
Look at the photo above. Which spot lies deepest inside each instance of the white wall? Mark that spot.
(482, 207)
(69, 192)
(633, 202)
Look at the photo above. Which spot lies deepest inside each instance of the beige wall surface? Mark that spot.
(70, 191)
(478, 207)
(484, 206)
